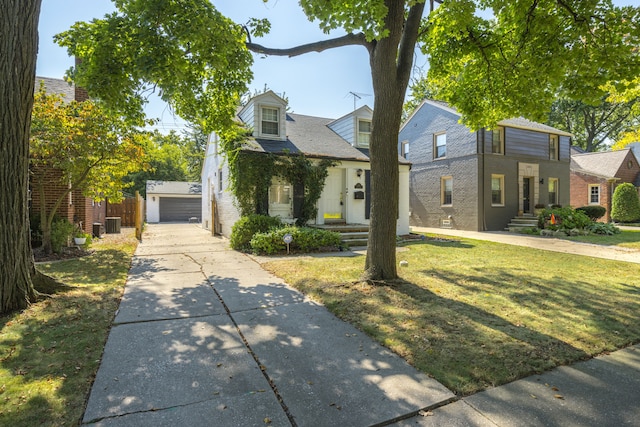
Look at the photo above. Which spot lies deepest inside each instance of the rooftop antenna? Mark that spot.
(356, 96)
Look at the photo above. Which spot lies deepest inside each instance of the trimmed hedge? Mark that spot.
(625, 206)
(594, 212)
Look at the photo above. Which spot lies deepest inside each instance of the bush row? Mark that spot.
(574, 221)
(262, 234)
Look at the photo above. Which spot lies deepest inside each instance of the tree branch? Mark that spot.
(346, 40)
(408, 41)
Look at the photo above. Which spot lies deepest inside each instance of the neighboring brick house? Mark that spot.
(594, 176)
(481, 180)
(77, 207)
(346, 195)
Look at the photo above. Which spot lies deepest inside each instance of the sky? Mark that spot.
(316, 84)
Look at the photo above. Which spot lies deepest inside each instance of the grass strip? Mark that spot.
(50, 352)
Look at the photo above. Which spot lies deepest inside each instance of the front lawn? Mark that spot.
(625, 239)
(477, 314)
(50, 352)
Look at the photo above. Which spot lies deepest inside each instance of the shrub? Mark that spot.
(61, 232)
(602, 228)
(246, 227)
(565, 219)
(594, 212)
(625, 206)
(305, 239)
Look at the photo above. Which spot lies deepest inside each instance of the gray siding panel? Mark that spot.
(565, 148)
(520, 142)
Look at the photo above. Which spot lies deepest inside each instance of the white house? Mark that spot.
(346, 195)
(173, 201)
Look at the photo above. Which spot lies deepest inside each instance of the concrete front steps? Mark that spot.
(521, 222)
(352, 235)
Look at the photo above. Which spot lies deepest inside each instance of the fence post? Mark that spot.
(139, 215)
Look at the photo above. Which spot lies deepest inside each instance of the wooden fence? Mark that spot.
(125, 210)
(131, 212)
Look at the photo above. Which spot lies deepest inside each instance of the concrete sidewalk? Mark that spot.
(204, 336)
(544, 243)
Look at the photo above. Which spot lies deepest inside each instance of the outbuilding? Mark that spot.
(174, 201)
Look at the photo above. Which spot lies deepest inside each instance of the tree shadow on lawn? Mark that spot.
(478, 343)
(55, 351)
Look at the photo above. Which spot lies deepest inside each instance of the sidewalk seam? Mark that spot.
(262, 368)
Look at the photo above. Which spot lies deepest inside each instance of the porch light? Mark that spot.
(359, 173)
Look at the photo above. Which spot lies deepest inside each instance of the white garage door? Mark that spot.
(177, 209)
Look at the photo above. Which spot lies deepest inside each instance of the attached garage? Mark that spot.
(173, 201)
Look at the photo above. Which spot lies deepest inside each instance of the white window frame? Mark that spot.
(554, 151)
(590, 194)
(443, 184)
(363, 137)
(557, 188)
(278, 204)
(264, 120)
(499, 133)
(404, 149)
(437, 138)
(500, 178)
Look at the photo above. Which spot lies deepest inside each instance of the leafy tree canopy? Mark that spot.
(192, 54)
(628, 91)
(91, 148)
(594, 126)
(517, 62)
(171, 157)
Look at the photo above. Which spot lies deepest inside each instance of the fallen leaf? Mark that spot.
(267, 420)
(558, 396)
(425, 413)
(533, 396)
(554, 388)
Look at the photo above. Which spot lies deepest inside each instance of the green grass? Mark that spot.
(477, 314)
(50, 352)
(625, 239)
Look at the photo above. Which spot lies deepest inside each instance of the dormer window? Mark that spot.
(270, 121)
(364, 132)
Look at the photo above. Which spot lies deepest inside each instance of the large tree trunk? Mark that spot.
(18, 49)
(391, 61)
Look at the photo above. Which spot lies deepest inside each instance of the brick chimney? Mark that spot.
(81, 94)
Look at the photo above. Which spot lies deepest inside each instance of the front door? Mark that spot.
(526, 195)
(333, 195)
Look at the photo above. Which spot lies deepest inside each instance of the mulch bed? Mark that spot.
(65, 253)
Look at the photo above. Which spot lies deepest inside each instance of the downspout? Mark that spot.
(611, 182)
(481, 139)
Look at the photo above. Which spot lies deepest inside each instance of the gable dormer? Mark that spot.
(266, 115)
(355, 127)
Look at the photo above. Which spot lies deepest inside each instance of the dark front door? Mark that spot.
(526, 195)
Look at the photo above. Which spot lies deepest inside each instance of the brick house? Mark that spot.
(594, 176)
(480, 180)
(77, 207)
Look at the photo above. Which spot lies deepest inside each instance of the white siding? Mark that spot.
(227, 212)
(250, 114)
(346, 126)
